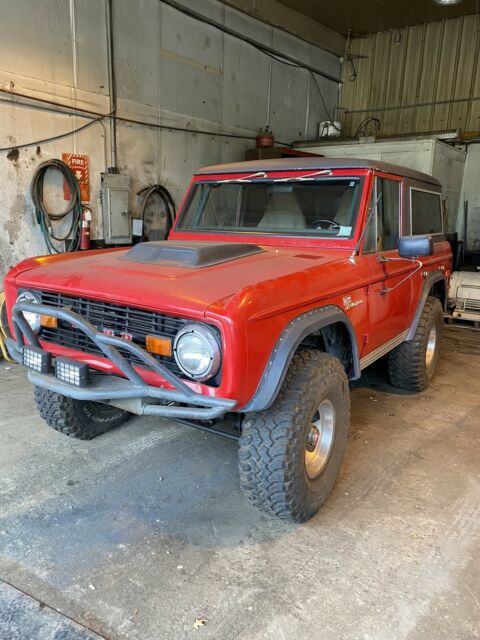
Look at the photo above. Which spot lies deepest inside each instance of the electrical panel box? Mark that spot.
(116, 214)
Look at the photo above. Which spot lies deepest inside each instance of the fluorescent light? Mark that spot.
(445, 3)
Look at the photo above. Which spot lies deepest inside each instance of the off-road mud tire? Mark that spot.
(407, 363)
(272, 446)
(77, 418)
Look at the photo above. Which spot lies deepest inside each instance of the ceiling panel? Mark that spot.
(369, 16)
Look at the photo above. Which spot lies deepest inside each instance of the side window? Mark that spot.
(370, 237)
(383, 229)
(426, 213)
(388, 214)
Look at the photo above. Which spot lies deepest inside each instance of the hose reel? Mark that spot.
(45, 218)
(165, 196)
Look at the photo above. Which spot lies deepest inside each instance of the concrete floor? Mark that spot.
(136, 534)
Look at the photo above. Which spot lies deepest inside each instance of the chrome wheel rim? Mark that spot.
(319, 441)
(431, 346)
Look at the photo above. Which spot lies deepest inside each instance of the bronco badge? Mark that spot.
(348, 303)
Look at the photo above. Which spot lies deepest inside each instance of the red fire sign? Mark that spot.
(78, 163)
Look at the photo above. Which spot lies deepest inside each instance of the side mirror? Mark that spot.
(415, 246)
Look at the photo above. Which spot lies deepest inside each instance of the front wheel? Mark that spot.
(80, 419)
(412, 364)
(291, 454)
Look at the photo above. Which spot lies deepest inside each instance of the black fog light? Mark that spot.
(36, 359)
(72, 372)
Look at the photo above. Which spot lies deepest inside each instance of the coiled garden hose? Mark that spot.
(45, 217)
(147, 193)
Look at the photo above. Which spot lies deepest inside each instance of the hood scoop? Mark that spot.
(189, 255)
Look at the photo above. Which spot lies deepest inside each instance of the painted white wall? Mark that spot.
(471, 194)
(170, 70)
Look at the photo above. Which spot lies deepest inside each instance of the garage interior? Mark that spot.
(143, 533)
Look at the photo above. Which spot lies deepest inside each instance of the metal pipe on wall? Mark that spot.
(98, 116)
(412, 105)
(112, 88)
(73, 32)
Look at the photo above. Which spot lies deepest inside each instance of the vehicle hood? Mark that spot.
(107, 275)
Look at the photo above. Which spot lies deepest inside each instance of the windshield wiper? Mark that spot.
(306, 176)
(259, 174)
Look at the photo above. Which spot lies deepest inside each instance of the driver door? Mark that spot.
(388, 294)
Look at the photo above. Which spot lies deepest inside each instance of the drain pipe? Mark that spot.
(112, 87)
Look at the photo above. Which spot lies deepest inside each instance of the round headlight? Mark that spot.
(33, 319)
(197, 351)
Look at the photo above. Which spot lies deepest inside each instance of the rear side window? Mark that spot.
(426, 213)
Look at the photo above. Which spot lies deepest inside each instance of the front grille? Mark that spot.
(469, 304)
(113, 317)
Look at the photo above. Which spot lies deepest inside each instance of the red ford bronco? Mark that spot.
(280, 281)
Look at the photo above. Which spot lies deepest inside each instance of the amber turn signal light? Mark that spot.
(49, 322)
(160, 346)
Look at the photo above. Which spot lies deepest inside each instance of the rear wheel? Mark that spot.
(77, 418)
(290, 455)
(412, 364)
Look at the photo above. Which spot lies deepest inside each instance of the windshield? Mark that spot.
(324, 208)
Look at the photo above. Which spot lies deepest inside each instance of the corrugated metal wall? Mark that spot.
(423, 78)
(170, 69)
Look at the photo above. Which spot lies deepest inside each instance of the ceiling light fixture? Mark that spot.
(446, 3)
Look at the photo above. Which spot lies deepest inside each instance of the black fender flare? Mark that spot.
(287, 344)
(432, 278)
